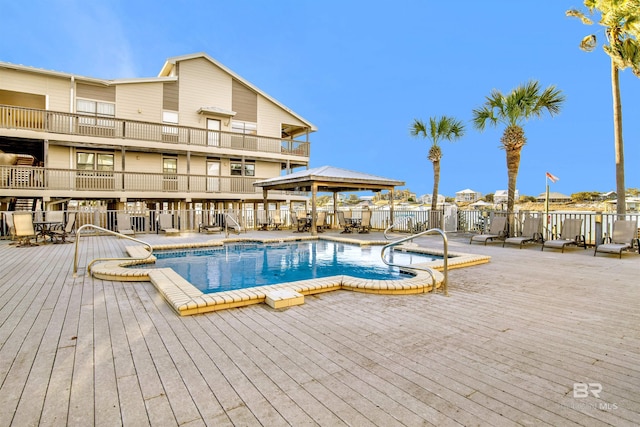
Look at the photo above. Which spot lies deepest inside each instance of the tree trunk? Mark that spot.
(513, 164)
(621, 208)
(436, 182)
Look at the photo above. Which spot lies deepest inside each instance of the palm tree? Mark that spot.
(443, 128)
(621, 18)
(512, 110)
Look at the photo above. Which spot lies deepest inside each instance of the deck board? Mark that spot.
(505, 348)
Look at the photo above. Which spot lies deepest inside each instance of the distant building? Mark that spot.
(427, 198)
(611, 195)
(467, 196)
(501, 196)
(554, 197)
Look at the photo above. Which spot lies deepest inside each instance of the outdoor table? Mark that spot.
(42, 228)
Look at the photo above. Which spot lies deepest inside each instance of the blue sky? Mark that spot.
(362, 71)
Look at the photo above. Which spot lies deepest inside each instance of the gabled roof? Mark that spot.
(329, 178)
(467, 191)
(171, 63)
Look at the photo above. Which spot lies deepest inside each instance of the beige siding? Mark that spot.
(139, 101)
(267, 169)
(271, 117)
(202, 84)
(143, 162)
(56, 88)
(100, 93)
(245, 103)
(59, 157)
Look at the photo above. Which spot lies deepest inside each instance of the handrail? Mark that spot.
(428, 270)
(75, 257)
(229, 218)
(389, 228)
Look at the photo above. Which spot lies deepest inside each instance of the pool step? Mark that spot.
(283, 298)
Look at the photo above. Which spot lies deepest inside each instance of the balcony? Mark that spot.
(77, 124)
(73, 183)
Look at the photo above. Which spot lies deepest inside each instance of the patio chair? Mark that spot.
(301, 224)
(124, 224)
(625, 232)
(365, 223)
(276, 221)
(570, 234)
(263, 220)
(347, 227)
(23, 228)
(60, 235)
(497, 230)
(165, 224)
(321, 218)
(530, 233)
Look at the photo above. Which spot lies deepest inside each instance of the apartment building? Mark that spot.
(197, 134)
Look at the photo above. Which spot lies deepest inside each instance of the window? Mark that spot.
(170, 171)
(170, 133)
(247, 128)
(95, 171)
(237, 170)
(102, 112)
(88, 161)
(169, 165)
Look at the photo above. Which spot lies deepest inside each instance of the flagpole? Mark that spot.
(546, 207)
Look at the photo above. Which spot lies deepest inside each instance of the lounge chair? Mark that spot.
(624, 233)
(165, 224)
(365, 223)
(60, 235)
(570, 234)
(530, 233)
(23, 228)
(124, 224)
(497, 230)
(347, 226)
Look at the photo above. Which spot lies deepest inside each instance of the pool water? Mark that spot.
(246, 265)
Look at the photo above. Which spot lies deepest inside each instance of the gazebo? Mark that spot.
(328, 179)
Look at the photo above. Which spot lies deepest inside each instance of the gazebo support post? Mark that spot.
(391, 198)
(265, 204)
(314, 192)
(335, 210)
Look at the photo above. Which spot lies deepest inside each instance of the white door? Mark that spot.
(213, 132)
(213, 176)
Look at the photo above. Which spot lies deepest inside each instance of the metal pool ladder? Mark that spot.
(428, 270)
(75, 257)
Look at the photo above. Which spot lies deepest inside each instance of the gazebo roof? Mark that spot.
(328, 178)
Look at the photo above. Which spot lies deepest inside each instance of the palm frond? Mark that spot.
(589, 43)
(577, 14)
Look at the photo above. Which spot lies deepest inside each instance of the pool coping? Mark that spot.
(186, 299)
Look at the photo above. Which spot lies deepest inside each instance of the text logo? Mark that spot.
(582, 390)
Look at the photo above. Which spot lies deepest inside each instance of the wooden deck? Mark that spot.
(505, 348)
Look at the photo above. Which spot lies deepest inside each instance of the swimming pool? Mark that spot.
(246, 265)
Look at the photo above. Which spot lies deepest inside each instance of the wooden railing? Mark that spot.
(105, 127)
(47, 179)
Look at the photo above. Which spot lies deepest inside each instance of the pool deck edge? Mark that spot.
(186, 299)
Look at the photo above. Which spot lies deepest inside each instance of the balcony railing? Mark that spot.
(47, 179)
(105, 127)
